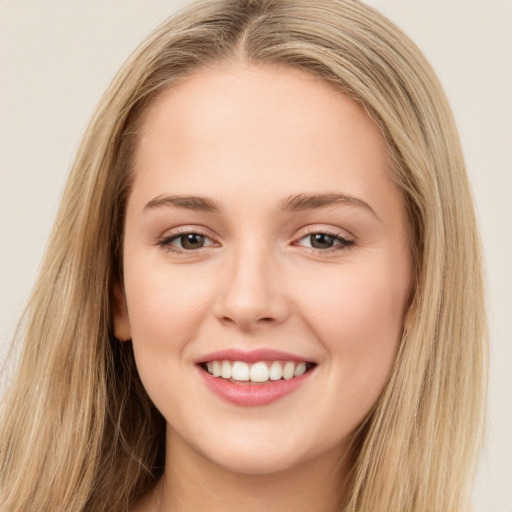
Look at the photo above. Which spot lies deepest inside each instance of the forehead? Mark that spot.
(246, 127)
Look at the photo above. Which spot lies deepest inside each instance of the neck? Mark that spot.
(191, 482)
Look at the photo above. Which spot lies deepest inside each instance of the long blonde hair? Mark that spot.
(79, 432)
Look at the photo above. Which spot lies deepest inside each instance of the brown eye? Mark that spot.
(322, 240)
(325, 242)
(186, 242)
(191, 241)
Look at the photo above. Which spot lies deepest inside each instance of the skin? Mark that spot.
(248, 137)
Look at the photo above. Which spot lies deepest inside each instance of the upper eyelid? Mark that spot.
(334, 231)
(338, 232)
(176, 232)
(333, 235)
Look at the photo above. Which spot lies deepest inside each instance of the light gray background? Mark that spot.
(58, 56)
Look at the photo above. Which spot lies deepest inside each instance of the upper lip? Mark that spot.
(251, 356)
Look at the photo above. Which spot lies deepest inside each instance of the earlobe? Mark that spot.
(121, 321)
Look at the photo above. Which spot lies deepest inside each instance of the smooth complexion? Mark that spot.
(253, 142)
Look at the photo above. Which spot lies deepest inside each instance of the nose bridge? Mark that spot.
(252, 292)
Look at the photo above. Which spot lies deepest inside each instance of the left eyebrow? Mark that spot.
(304, 202)
(196, 203)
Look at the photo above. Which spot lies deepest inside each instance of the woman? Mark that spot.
(257, 287)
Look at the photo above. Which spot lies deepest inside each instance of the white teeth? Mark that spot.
(288, 370)
(300, 369)
(216, 369)
(225, 371)
(276, 371)
(240, 371)
(261, 371)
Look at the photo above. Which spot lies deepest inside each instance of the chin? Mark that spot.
(257, 454)
(254, 462)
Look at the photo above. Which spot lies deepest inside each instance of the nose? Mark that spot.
(252, 292)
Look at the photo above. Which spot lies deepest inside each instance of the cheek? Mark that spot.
(356, 304)
(165, 307)
(359, 320)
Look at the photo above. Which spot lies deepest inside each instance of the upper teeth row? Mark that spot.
(256, 372)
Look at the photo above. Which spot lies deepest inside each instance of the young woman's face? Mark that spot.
(262, 230)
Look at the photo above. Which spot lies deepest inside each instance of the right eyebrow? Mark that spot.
(196, 203)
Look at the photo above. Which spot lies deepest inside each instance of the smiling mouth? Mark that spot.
(259, 372)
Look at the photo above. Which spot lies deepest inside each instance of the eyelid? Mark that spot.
(165, 240)
(330, 230)
(340, 235)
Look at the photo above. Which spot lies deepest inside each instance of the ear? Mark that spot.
(122, 329)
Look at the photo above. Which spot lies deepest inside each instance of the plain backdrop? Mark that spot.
(58, 56)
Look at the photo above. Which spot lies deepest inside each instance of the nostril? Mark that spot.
(242, 323)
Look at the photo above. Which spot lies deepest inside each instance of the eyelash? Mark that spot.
(166, 242)
(343, 243)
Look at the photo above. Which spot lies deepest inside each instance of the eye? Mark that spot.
(190, 241)
(325, 241)
(185, 242)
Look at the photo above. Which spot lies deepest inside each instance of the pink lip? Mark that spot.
(252, 395)
(251, 356)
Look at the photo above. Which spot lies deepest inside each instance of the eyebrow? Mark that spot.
(196, 203)
(291, 204)
(303, 202)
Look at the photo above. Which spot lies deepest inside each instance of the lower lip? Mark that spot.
(252, 395)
